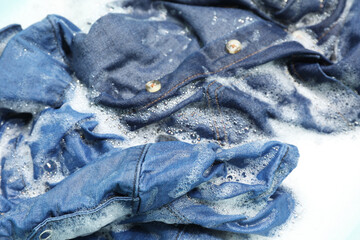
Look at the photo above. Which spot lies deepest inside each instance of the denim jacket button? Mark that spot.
(233, 46)
(153, 86)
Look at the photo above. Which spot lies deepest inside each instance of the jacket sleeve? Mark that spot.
(150, 182)
(33, 65)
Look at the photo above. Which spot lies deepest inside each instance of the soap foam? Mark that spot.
(85, 223)
(329, 102)
(248, 174)
(327, 171)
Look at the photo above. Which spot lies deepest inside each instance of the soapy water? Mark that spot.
(319, 152)
(82, 223)
(109, 122)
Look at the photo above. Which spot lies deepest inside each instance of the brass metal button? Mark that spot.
(233, 46)
(153, 86)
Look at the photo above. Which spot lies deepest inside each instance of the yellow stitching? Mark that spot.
(242, 59)
(328, 31)
(208, 73)
(331, 28)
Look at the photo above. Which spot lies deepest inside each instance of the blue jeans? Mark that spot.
(290, 68)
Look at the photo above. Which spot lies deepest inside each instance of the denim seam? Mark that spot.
(328, 31)
(219, 111)
(205, 74)
(176, 214)
(136, 179)
(333, 26)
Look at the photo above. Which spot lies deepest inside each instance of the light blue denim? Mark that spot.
(168, 189)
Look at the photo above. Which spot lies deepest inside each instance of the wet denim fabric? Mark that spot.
(189, 47)
(170, 182)
(217, 186)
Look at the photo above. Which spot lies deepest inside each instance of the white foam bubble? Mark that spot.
(248, 174)
(7, 135)
(239, 205)
(326, 179)
(161, 15)
(187, 181)
(85, 223)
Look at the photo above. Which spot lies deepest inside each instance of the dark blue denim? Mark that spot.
(123, 72)
(169, 189)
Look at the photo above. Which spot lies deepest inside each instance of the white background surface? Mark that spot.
(326, 182)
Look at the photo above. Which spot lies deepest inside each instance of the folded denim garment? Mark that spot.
(87, 184)
(190, 85)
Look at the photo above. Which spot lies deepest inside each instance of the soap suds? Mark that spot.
(326, 179)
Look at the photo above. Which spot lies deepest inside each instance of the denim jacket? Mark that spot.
(184, 164)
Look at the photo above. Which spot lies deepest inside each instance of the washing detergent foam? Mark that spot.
(326, 182)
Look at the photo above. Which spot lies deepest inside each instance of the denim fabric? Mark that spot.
(43, 46)
(196, 173)
(170, 182)
(188, 47)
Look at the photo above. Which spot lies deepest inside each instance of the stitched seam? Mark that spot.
(205, 74)
(173, 213)
(335, 24)
(215, 129)
(139, 176)
(135, 173)
(176, 214)
(220, 112)
(167, 93)
(328, 31)
(192, 200)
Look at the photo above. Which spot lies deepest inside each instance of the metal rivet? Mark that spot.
(45, 235)
(233, 46)
(153, 86)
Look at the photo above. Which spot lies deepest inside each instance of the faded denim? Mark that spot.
(169, 189)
